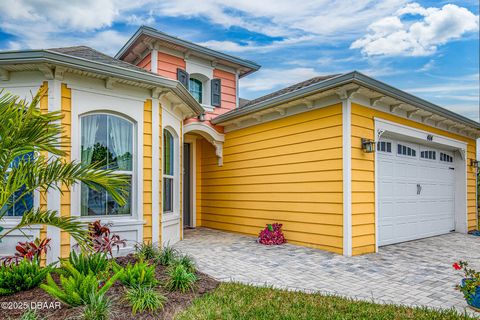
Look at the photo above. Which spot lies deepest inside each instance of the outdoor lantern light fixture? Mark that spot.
(474, 163)
(368, 146)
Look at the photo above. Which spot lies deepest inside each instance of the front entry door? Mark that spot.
(187, 214)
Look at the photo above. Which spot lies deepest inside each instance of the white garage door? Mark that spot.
(415, 191)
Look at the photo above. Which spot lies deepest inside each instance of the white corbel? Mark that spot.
(4, 74)
(176, 106)
(308, 103)
(257, 117)
(282, 111)
(109, 82)
(47, 71)
(427, 118)
(374, 101)
(395, 107)
(346, 94)
(219, 151)
(411, 113)
(59, 72)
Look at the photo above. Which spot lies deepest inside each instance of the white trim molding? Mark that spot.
(347, 175)
(53, 196)
(193, 178)
(210, 134)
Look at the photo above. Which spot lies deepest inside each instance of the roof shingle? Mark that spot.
(291, 88)
(97, 56)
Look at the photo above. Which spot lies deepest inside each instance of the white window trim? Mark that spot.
(132, 173)
(175, 177)
(193, 178)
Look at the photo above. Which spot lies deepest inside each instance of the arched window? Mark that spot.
(195, 88)
(108, 141)
(168, 170)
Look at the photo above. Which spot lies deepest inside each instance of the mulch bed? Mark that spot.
(120, 310)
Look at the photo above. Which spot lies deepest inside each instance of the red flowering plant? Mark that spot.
(272, 234)
(29, 250)
(470, 286)
(102, 240)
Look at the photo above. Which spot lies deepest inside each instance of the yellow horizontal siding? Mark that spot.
(363, 175)
(147, 170)
(66, 108)
(287, 171)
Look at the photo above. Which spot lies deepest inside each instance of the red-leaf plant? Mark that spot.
(27, 250)
(102, 239)
(272, 234)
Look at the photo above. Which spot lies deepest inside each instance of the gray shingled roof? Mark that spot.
(291, 88)
(97, 56)
(242, 102)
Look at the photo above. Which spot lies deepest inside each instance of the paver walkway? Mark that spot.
(412, 273)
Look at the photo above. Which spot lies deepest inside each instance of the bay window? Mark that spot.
(107, 140)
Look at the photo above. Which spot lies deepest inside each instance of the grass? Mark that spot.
(237, 301)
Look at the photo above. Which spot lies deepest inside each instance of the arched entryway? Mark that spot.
(199, 139)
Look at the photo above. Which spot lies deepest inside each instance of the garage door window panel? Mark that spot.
(407, 151)
(384, 146)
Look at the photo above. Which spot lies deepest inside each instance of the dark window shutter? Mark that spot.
(216, 92)
(182, 76)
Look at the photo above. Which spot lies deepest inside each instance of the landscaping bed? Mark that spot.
(176, 301)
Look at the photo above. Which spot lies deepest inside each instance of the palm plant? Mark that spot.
(31, 159)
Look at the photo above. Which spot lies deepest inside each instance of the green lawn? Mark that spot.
(236, 301)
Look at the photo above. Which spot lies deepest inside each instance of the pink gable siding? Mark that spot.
(229, 91)
(168, 64)
(146, 63)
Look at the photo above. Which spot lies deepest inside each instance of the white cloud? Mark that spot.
(249, 46)
(436, 26)
(427, 66)
(294, 21)
(269, 79)
(48, 23)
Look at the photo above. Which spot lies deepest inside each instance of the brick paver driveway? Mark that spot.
(412, 273)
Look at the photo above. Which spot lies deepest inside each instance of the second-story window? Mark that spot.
(195, 88)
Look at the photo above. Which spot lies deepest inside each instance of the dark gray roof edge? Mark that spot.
(355, 77)
(190, 45)
(47, 56)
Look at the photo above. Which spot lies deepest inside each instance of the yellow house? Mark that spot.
(345, 162)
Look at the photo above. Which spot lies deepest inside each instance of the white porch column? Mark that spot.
(53, 196)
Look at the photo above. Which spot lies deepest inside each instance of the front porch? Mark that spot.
(410, 273)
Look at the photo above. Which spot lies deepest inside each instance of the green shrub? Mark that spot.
(22, 276)
(77, 287)
(187, 262)
(167, 256)
(180, 279)
(98, 308)
(84, 263)
(146, 251)
(30, 315)
(139, 274)
(145, 299)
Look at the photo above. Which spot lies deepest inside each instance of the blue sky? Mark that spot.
(428, 48)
